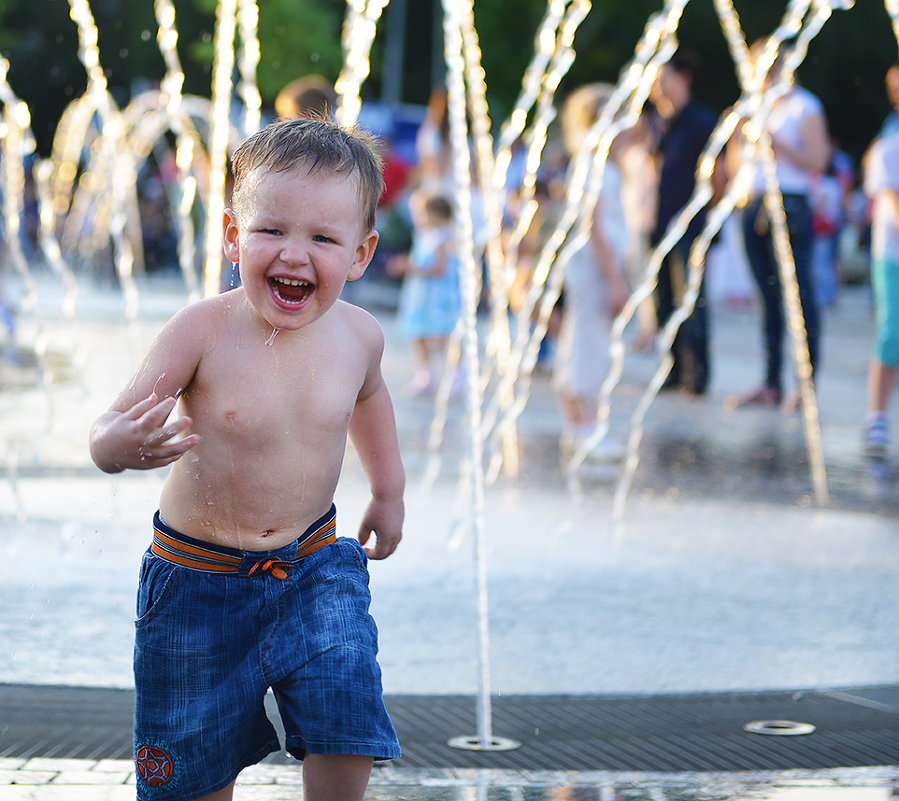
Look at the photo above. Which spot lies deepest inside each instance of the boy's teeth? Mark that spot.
(291, 290)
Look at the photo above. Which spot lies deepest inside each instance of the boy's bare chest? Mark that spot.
(269, 395)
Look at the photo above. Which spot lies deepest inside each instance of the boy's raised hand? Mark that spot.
(139, 438)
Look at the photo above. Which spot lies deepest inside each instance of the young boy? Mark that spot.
(246, 586)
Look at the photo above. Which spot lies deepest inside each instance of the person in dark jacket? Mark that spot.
(684, 129)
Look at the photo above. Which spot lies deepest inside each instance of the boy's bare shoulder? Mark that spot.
(204, 318)
(361, 323)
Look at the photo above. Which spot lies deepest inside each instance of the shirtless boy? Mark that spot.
(245, 586)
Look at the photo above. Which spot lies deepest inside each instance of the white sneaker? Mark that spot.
(422, 384)
(877, 437)
(606, 450)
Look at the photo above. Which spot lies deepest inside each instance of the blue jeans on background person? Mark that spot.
(825, 270)
(759, 244)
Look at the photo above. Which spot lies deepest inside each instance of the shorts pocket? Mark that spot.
(157, 580)
(357, 553)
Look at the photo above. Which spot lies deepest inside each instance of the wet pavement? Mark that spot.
(112, 780)
(724, 576)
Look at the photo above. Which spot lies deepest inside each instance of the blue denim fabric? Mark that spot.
(758, 241)
(208, 647)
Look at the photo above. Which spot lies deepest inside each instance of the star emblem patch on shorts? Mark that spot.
(154, 765)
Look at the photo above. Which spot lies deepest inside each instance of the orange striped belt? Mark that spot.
(207, 557)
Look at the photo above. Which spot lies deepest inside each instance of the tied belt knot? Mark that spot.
(274, 567)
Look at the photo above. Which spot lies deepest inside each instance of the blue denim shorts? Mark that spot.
(217, 627)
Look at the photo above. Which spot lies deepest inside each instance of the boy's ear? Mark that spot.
(364, 253)
(230, 240)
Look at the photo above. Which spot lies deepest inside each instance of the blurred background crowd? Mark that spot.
(836, 186)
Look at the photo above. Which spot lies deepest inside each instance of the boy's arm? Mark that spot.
(373, 433)
(133, 433)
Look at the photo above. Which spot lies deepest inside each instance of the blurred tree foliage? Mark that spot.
(296, 39)
(845, 66)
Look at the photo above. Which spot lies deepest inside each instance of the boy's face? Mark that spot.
(298, 239)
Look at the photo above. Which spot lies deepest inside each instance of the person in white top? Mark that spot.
(595, 291)
(797, 127)
(881, 183)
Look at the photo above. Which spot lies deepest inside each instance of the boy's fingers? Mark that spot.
(364, 536)
(159, 412)
(173, 429)
(168, 452)
(384, 546)
(142, 407)
(177, 447)
(152, 424)
(156, 437)
(379, 552)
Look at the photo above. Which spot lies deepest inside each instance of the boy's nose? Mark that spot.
(294, 251)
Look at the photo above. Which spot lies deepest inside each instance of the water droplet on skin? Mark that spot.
(271, 339)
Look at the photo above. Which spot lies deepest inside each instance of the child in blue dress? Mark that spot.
(429, 305)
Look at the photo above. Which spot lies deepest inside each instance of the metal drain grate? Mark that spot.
(65, 722)
(658, 733)
(648, 733)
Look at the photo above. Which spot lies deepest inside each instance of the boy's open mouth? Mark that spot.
(290, 290)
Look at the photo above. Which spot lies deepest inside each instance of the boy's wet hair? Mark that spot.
(318, 145)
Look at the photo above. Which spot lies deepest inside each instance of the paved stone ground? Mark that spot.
(113, 780)
(724, 573)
